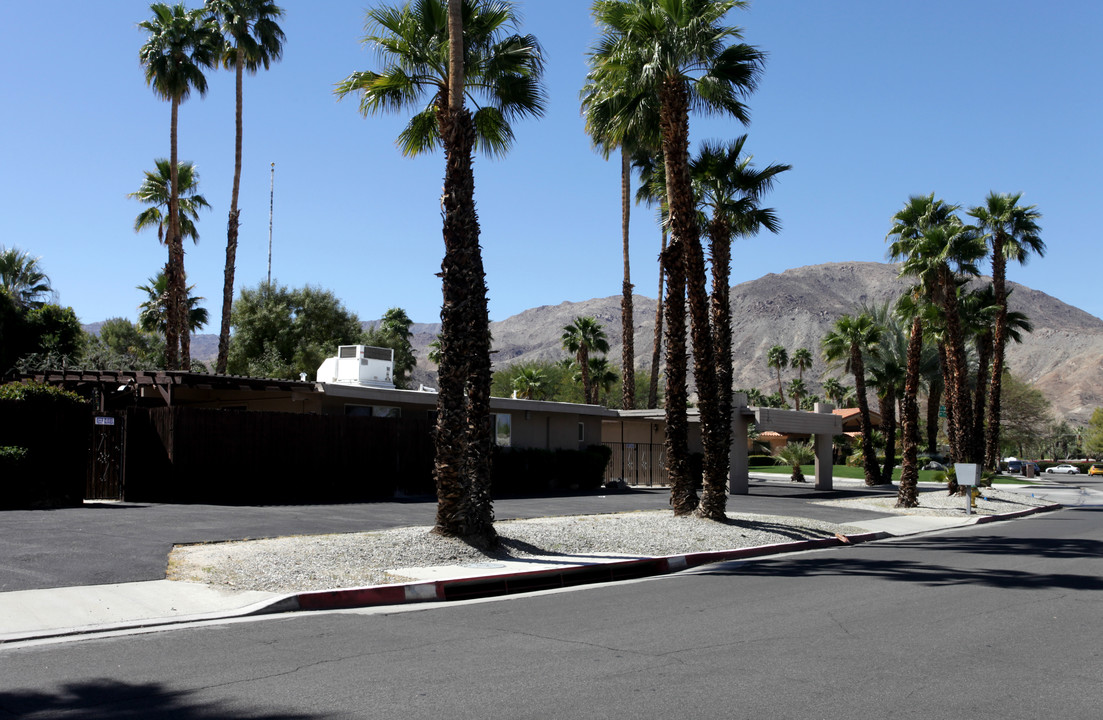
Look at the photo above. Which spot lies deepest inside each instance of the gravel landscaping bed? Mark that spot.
(319, 562)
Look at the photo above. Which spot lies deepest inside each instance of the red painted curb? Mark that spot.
(534, 580)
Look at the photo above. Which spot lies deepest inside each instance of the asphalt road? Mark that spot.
(104, 543)
(996, 621)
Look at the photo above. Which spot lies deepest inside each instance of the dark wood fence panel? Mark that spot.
(56, 438)
(183, 454)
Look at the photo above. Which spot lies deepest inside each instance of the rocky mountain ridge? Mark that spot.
(1063, 357)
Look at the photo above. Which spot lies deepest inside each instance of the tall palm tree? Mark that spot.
(912, 308)
(156, 192)
(180, 44)
(777, 357)
(1013, 232)
(252, 40)
(652, 191)
(613, 127)
(728, 189)
(582, 337)
(887, 370)
(153, 312)
(939, 251)
(678, 51)
(850, 340)
(22, 278)
(448, 51)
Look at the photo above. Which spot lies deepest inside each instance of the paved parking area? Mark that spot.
(106, 542)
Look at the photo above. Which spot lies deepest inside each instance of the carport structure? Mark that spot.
(636, 439)
(821, 424)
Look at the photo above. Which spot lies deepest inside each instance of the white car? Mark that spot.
(1063, 470)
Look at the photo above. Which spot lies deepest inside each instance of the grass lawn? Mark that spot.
(856, 473)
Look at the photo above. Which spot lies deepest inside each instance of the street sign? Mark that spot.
(942, 411)
(101, 420)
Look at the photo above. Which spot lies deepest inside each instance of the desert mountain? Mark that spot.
(1063, 357)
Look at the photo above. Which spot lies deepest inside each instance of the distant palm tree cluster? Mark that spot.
(946, 336)
(181, 44)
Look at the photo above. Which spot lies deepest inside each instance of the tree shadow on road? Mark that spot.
(934, 575)
(108, 698)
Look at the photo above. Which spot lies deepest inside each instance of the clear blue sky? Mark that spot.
(869, 100)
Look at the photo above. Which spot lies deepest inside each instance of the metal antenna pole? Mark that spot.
(271, 206)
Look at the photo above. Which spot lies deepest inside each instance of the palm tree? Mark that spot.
(252, 40)
(613, 127)
(938, 250)
(530, 383)
(851, 338)
(652, 191)
(797, 390)
(887, 370)
(795, 454)
(581, 337)
(676, 51)
(602, 379)
(22, 278)
(449, 51)
(728, 190)
(834, 391)
(156, 191)
(912, 307)
(180, 44)
(153, 313)
(1013, 232)
(777, 357)
(801, 360)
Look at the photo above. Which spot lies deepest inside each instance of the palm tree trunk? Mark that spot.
(174, 266)
(906, 495)
(720, 249)
(231, 230)
(980, 395)
(628, 353)
(869, 454)
(888, 429)
(683, 496)
(464, 435)
(656, 349)
(674, 103)
(999, 345)
(958, 377)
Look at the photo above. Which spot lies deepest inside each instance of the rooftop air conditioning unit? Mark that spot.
(359, 365)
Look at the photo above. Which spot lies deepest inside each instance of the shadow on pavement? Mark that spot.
(126, 701)
(933, 575)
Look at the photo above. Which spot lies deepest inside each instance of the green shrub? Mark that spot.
(39, 394)
(761, 461)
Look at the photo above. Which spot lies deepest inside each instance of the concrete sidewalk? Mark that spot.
(70, 611)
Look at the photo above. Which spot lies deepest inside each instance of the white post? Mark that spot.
(738, 470)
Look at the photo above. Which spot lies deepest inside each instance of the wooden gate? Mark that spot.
(105, 467)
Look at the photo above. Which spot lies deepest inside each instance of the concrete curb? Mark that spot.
(534, 580)
(486, 586)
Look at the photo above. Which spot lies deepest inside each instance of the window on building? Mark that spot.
(373, 411)
(503, 429)
(582, 432)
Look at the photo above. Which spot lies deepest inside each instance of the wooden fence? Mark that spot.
(183, 454)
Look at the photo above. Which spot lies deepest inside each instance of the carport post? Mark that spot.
(738, 480)
(823, 441)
